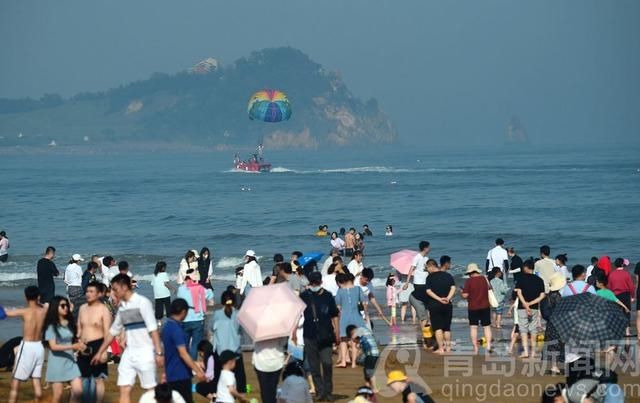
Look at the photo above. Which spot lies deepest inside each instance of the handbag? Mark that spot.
(493, 301)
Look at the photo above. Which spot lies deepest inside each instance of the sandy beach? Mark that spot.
(451, 379)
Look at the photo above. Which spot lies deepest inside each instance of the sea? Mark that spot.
(149, 206)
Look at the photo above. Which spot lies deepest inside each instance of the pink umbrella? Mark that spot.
(401, 260)
(270, 312)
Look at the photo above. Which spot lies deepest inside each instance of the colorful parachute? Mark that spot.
(269, 106)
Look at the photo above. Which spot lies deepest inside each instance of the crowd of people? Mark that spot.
(102, 317)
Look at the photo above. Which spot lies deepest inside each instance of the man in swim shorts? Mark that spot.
(94, 321)
(30, 356)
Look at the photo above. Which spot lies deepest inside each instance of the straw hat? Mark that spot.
(472, 267)
(396, 376)
(557, 282)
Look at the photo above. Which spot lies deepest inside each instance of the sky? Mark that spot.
(447, 71)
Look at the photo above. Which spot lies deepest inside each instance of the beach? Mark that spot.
(451, 379)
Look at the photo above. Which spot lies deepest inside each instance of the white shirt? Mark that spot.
(268, 355)
(73, 275)
(337, 243)
(4, 245)
(159, 289)
(496, 257)
(182, 271)
(227, 378)
(420, 273)
(325, 266)
(564, 271)
(150, 397)
(251, 275)
(109, 273)
(295, 389)
(589, 270)
(138, 319)
(329, 284)
(355, 268)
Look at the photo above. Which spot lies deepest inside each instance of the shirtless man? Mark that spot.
(94, 321)
(30, 356)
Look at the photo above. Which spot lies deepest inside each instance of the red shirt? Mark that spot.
(620, 281)
(478, 290)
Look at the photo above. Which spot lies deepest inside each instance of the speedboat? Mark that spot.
(253, 164)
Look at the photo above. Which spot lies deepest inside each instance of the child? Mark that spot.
(294, 387)
(363, 337)
(206, 388)
(162, 290)
(604, 292)
(392, 297)
(226, 391)
(515, 332)
(30, 356)
(411, 392)
(500, 291)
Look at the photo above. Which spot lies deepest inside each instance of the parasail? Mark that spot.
(269, 106)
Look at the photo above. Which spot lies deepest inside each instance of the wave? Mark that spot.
(283, 170)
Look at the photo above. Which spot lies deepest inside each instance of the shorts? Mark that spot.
(100, 371)
(441, 316)
(370, 362)
(421, 310)
(29, 361)
(499, 310)
(625, 298)
(140, 362)
(482, 316)
(4, 258)
(528, 324)
(184, 388)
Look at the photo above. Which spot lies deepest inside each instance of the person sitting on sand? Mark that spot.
(530, 291)
(294, 388)
(162, 393)
(30, 356)
(411, 392)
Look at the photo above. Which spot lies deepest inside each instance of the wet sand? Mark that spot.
(450, 378)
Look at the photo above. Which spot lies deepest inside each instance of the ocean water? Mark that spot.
(155, 206)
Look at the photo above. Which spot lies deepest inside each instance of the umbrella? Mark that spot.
(270, 312)
(310, 256)
(401, 260)
(588, 318)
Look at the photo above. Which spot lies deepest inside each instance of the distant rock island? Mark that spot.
(205, 105)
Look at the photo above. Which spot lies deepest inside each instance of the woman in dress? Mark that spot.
(349, 299)
(60, 329)
(205, 267)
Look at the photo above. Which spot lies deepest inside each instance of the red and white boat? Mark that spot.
(254, 164)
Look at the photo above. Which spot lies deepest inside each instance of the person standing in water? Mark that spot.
(94, 322)
(46, 271)
(73, 280)
(4, 247)
(30, 356)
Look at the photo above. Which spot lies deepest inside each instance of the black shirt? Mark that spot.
(637, 273)
(326, 309)
(440, 283)
(531, 286)
(46, 270)
(516, 262)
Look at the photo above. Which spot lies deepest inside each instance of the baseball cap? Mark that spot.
(250, 253)
(77, 257)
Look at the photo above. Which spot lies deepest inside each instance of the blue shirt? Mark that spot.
(173, 337)
(578, 286)
(226, 331)
(192, 316)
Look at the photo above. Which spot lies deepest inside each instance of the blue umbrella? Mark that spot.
(310, 256)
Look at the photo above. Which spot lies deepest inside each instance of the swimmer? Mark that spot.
(388, 231)
(322, 231)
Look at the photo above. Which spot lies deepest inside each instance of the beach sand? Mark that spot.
(450, 378)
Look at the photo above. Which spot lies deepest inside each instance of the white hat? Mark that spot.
(195, 252)
(77, 257)
(472, 267)
(251, 253)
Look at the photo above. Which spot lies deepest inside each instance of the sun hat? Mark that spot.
(557, 281)
(396, 376)
(250, 253)
(77, 257)
(472, 267)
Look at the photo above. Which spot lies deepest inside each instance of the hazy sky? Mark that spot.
(445, 71)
